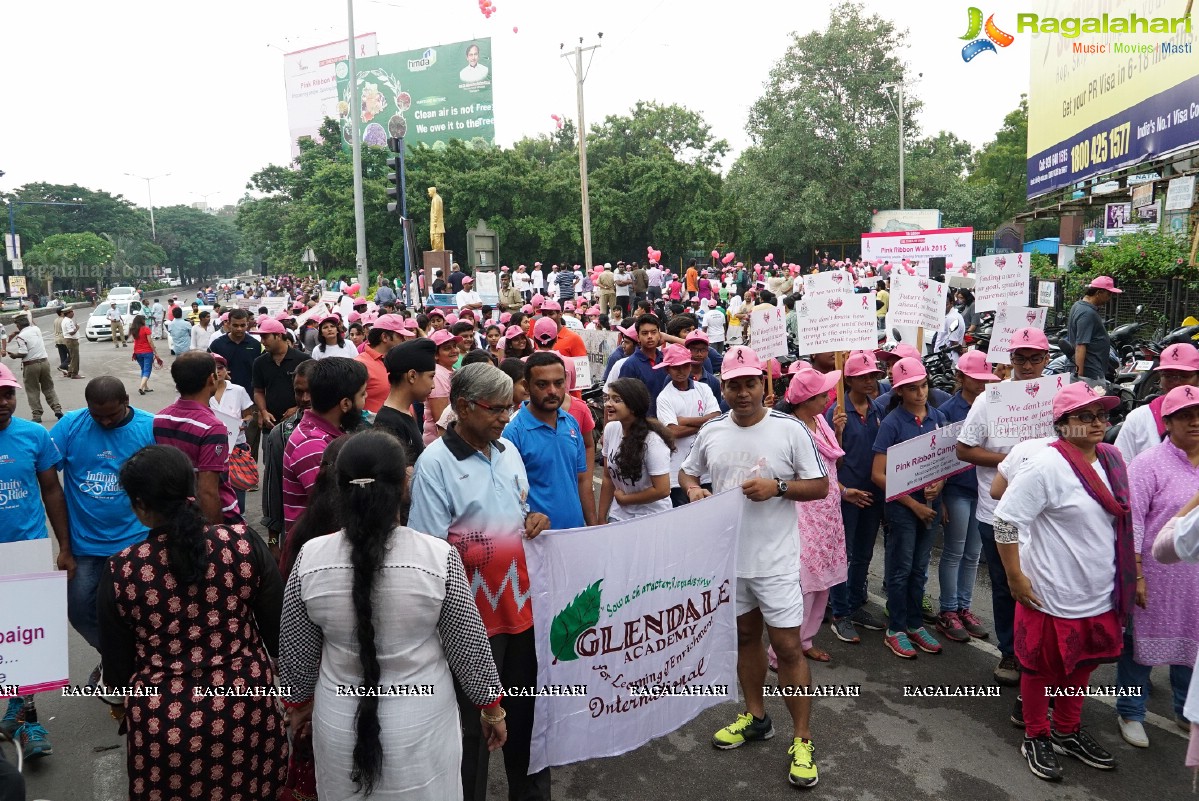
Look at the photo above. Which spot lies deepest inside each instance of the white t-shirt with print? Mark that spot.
(714, 322)
(673, 404)
(655, 463)
(974, 433)
(778, 446)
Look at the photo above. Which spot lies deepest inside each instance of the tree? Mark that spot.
(823, 136)
(99, 213)
(1002, 164)
(71, 250)
(196, 244)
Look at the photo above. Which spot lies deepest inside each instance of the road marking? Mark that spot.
(1152, 718)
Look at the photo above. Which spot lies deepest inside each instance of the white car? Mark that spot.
(97, 325)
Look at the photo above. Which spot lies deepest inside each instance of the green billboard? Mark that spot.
(427, 96)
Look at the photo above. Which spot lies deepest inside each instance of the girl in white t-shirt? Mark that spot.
(636, 454)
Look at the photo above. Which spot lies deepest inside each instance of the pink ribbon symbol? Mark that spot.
(1059, 382)
(932, 443)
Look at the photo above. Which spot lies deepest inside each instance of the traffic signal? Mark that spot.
(394, 180)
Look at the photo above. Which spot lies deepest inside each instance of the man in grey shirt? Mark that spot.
(1086, 331)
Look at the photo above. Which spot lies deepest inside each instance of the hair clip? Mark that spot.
(362, 482)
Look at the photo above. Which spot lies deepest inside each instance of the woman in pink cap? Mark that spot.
(823, 563)
(333, 341)
(1165, 628)
(439, 399)
(1064, 531)
(1144, 427)
(912, 518)
(517, 344)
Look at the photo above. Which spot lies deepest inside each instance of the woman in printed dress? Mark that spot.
(193, 613)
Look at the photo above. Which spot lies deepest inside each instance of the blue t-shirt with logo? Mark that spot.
(25, 450)
(102, 521)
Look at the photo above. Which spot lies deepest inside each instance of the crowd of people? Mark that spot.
(401, 455)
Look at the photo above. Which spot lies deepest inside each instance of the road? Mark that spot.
(880, 745)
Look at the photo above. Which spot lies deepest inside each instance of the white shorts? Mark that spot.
(779, 597)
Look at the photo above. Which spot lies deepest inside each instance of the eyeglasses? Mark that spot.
(498, 411)
(1020, 361)
(1090, 417)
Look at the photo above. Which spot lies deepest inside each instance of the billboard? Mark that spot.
(955, 245)
(905, 220)
(1101, 98)
(310, 78)
(427, 96)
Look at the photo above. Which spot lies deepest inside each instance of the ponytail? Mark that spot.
(187, 545)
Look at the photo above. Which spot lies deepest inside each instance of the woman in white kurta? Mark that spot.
(376, 618)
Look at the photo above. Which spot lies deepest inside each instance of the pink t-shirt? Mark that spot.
(441, 389)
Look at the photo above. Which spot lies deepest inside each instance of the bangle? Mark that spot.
(493, 720)
(1140, 578)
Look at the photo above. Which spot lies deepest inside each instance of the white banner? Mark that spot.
(831, 284)
(768, 332)
(1009, 320)
(273, 305)
(33, 639)
(1046, 293)
(955, 245)
(637, 613)
(1000, 280)
(599, 347)
(486, 284)
(311, 82)
(915, 463)
(837, 323)
(915, 301)
(1180, 193)
(1020, 410)
(582, 373)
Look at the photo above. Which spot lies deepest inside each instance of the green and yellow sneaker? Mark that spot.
(803, 771)
(746, 728)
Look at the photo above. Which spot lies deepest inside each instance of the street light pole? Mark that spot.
(356, 146)
(901, 184)
(150, 193)
(580, 77)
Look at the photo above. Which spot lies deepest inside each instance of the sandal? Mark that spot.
(818, 655)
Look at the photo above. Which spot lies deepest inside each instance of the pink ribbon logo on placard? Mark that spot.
(865, 302)
(1059, 382)
(932, 443)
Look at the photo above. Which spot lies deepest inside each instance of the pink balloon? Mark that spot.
(649, 248)
(515, 29)
(728, 258)
(769, 257)
(354, 289)
(716, 254)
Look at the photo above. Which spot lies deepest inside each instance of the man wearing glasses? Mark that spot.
(977, 446)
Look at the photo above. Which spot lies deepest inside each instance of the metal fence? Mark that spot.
(1164, 302)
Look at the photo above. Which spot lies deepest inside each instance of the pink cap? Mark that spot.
(1080, 395)
(1183, 357)
(7, 379)
(451, 318)
(443, 336)
(269, 326)
(861, 362)
(545, 330)
(674, 355)
(740, 361)
(551, 305)
(223, 317)
(527, 308)
(1105, 282)
(1177, 398)
(513, 332)
(1029, 339)
(536, 303)
(220, 360)
(410, 324)
(776, 369)
(437, 313)
(808, 383)
(629, 332)
(798, 365)
(355, 317)
(568, 306)
(331, 318)
(297, 306)
(391, 322)
(973, 364)
(505, 318)
(283, 317)
(901, 351)
(593, 311)
(696, 336)
(907, 371)
(467, 280)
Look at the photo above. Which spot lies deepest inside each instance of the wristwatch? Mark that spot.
(782, 488)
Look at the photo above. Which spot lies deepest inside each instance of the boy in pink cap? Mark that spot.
(684, 405)
(1144, 427)
(772, 459)
(1085, 330)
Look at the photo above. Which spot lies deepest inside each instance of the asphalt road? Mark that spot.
(880, 745)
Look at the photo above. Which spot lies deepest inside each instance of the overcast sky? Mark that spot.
(95, 90)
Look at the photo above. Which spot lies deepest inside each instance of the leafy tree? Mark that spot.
(196, 244)
(1002, 164)
(99, 213)
(71, 250)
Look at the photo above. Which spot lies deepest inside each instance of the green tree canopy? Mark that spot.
(71, 250)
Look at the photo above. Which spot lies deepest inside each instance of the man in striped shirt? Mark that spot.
(190, 425)
(337, 389)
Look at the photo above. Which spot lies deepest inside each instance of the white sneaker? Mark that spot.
(1133, 732)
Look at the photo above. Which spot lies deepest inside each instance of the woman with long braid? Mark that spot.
(375, 618)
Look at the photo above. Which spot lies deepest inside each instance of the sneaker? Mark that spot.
(1041, 759)
(899, 644)
(973, 626)
(843, 628)
(924, 641)
(1133, 732)
(13, 716)
(1007, 672)
(927, 610)
(745, 729)
(867, 620)
(1017, 717)
(803, 771)
(951, 626)
(35, 742)
(1083, 746)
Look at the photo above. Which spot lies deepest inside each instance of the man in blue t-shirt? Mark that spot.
(94, 443)
(29, 493)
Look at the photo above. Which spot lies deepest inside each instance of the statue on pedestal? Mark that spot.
(436, 220)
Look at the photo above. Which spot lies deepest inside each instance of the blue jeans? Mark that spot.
(81, 597)
(1001, 597)
(959, 554)
(146, 360)
(861, 531)
(909, 546)
(1130, 673)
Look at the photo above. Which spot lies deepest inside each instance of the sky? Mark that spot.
(97, 90)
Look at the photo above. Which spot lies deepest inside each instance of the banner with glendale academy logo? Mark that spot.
(643, 614)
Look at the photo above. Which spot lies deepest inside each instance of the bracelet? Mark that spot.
(493, 720)
(1140, 578)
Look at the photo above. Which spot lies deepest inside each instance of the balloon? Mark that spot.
(769, 257)
(354, 289)
(515, 29)
(728, 258)
(715, 254)
(649, 248)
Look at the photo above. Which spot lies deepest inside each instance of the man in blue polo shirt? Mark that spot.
(641, 363)
(94, 443)
(551, 445)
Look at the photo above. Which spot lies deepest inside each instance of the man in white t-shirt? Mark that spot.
(468, 298)
(524, 284)
(713, 325)
(771, 457)
(977, 446)
(684, 405)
